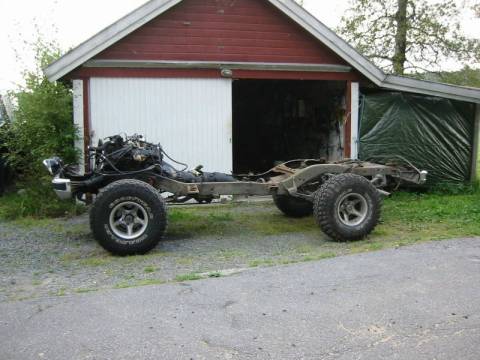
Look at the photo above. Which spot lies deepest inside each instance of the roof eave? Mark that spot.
(400, 83)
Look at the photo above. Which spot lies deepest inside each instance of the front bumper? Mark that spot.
(63, 188)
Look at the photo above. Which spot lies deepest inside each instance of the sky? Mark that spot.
(72, 21)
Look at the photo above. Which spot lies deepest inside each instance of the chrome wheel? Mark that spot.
(128, 220)
(352, 209)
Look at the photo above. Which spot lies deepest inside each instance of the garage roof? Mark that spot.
(139, 17)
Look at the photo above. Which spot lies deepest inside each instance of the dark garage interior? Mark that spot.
(280, 120)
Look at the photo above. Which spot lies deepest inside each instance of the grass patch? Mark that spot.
(188, 277)
(139, 283)
(37, 201)
(61, 292)
(431, 216)
(148, 282)
(85, 290)
(123, 285)
(255, 219)
(312, 256)
(149, 269)
(262, 262)
(200, 221)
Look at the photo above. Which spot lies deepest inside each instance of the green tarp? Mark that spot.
(432, 133)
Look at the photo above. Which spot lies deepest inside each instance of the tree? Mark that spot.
(408, 36)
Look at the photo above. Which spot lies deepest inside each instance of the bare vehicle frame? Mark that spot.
(133, 182)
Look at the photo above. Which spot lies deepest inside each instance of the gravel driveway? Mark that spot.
(60, 257)
(42, 258)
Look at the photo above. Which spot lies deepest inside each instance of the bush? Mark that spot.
(43, 125)
(43, 128)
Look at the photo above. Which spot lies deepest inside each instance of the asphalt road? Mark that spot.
(421, 302)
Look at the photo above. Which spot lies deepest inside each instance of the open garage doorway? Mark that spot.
(280, 120)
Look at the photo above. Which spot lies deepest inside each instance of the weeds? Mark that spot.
(38, 201)
(149, 269)
(85, 290)
(188, 277)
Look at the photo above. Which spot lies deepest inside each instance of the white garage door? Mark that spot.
(191, 118)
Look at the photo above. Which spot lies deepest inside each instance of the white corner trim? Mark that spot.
(354, 119)
(78, 120)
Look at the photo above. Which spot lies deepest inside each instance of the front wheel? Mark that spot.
(347, 207)
(129, 217)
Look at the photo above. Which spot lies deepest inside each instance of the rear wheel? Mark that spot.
(128, 217)
(347, 207)
(292, 206)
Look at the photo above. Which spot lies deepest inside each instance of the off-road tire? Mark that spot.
(292, 206)
(326, 205)
(131, 191)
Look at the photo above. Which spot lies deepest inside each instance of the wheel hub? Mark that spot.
(352, 209)
(128, 220)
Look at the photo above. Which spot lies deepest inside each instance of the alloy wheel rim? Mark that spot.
(352, 209)
(128, 220)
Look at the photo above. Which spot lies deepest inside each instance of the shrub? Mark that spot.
(43, 125)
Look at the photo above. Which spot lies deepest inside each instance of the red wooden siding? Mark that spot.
(222, 30)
